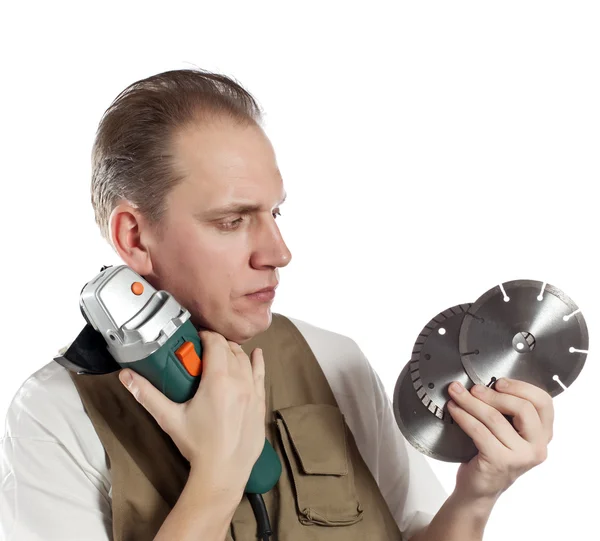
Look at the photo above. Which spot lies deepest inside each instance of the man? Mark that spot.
(186, 188)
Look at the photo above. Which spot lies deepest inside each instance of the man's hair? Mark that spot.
(132, 156)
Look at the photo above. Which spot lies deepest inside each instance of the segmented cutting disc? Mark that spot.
(434, 437)
(436, 362)
(532, 333)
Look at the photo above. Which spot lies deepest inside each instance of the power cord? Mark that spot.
(265, 533)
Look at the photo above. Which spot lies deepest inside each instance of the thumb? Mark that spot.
(155, 402)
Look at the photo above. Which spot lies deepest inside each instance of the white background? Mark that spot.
(430, 151)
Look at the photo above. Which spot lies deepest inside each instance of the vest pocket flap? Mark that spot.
(314, 443)
(318, 435)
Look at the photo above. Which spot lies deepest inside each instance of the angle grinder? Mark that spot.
(132, 325)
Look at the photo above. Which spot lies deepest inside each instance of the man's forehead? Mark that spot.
(225, 148)
(219, 190)
(225, 162)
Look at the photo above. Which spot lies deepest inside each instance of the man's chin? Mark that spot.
(239, 327)
(253, 325)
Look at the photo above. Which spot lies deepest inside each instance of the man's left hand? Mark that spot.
(505, 451)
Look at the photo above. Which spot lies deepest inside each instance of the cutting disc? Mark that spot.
(527, 332)
(436, 438)
(436, 362)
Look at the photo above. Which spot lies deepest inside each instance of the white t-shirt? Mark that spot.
(56, 484)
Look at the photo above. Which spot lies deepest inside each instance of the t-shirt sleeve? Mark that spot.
(50, 487)
(407, 482)
(46, 495)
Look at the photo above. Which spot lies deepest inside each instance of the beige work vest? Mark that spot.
(326, 491)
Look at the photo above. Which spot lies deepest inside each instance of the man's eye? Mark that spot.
(232, 225)
(276, 213)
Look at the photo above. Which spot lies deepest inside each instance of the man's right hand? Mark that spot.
(221, 429)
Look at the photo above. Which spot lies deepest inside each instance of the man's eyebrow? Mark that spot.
(232, 208)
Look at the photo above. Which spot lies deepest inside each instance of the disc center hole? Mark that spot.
(523, 342)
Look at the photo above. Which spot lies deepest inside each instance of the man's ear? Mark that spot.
(130, 235)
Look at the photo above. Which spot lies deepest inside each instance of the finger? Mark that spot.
(241, 361)
(525, 417)
(214, 357)
(258, 371)
(156, 403)
(236, 349)
(540, 399)
(483, 439)
(496, 423)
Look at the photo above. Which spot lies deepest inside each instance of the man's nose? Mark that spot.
(270, 250)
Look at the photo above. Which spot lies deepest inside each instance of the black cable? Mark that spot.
(262, 517)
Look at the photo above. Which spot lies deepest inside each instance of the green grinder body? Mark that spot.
(168, 374)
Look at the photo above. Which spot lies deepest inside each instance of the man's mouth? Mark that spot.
(263, 295)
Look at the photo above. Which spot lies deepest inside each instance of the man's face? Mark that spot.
(219, 240)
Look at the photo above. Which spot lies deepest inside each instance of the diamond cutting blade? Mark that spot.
(436, 438)
(436, 362)
(528, 332)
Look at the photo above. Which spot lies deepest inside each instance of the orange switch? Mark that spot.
(137, 288)
(189, 358)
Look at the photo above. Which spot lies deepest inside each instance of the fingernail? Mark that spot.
(502, 384)
(479, 389)
(126, 378)
(457, 387)
(451, 404)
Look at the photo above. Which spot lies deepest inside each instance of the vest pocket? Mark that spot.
(316, 450)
